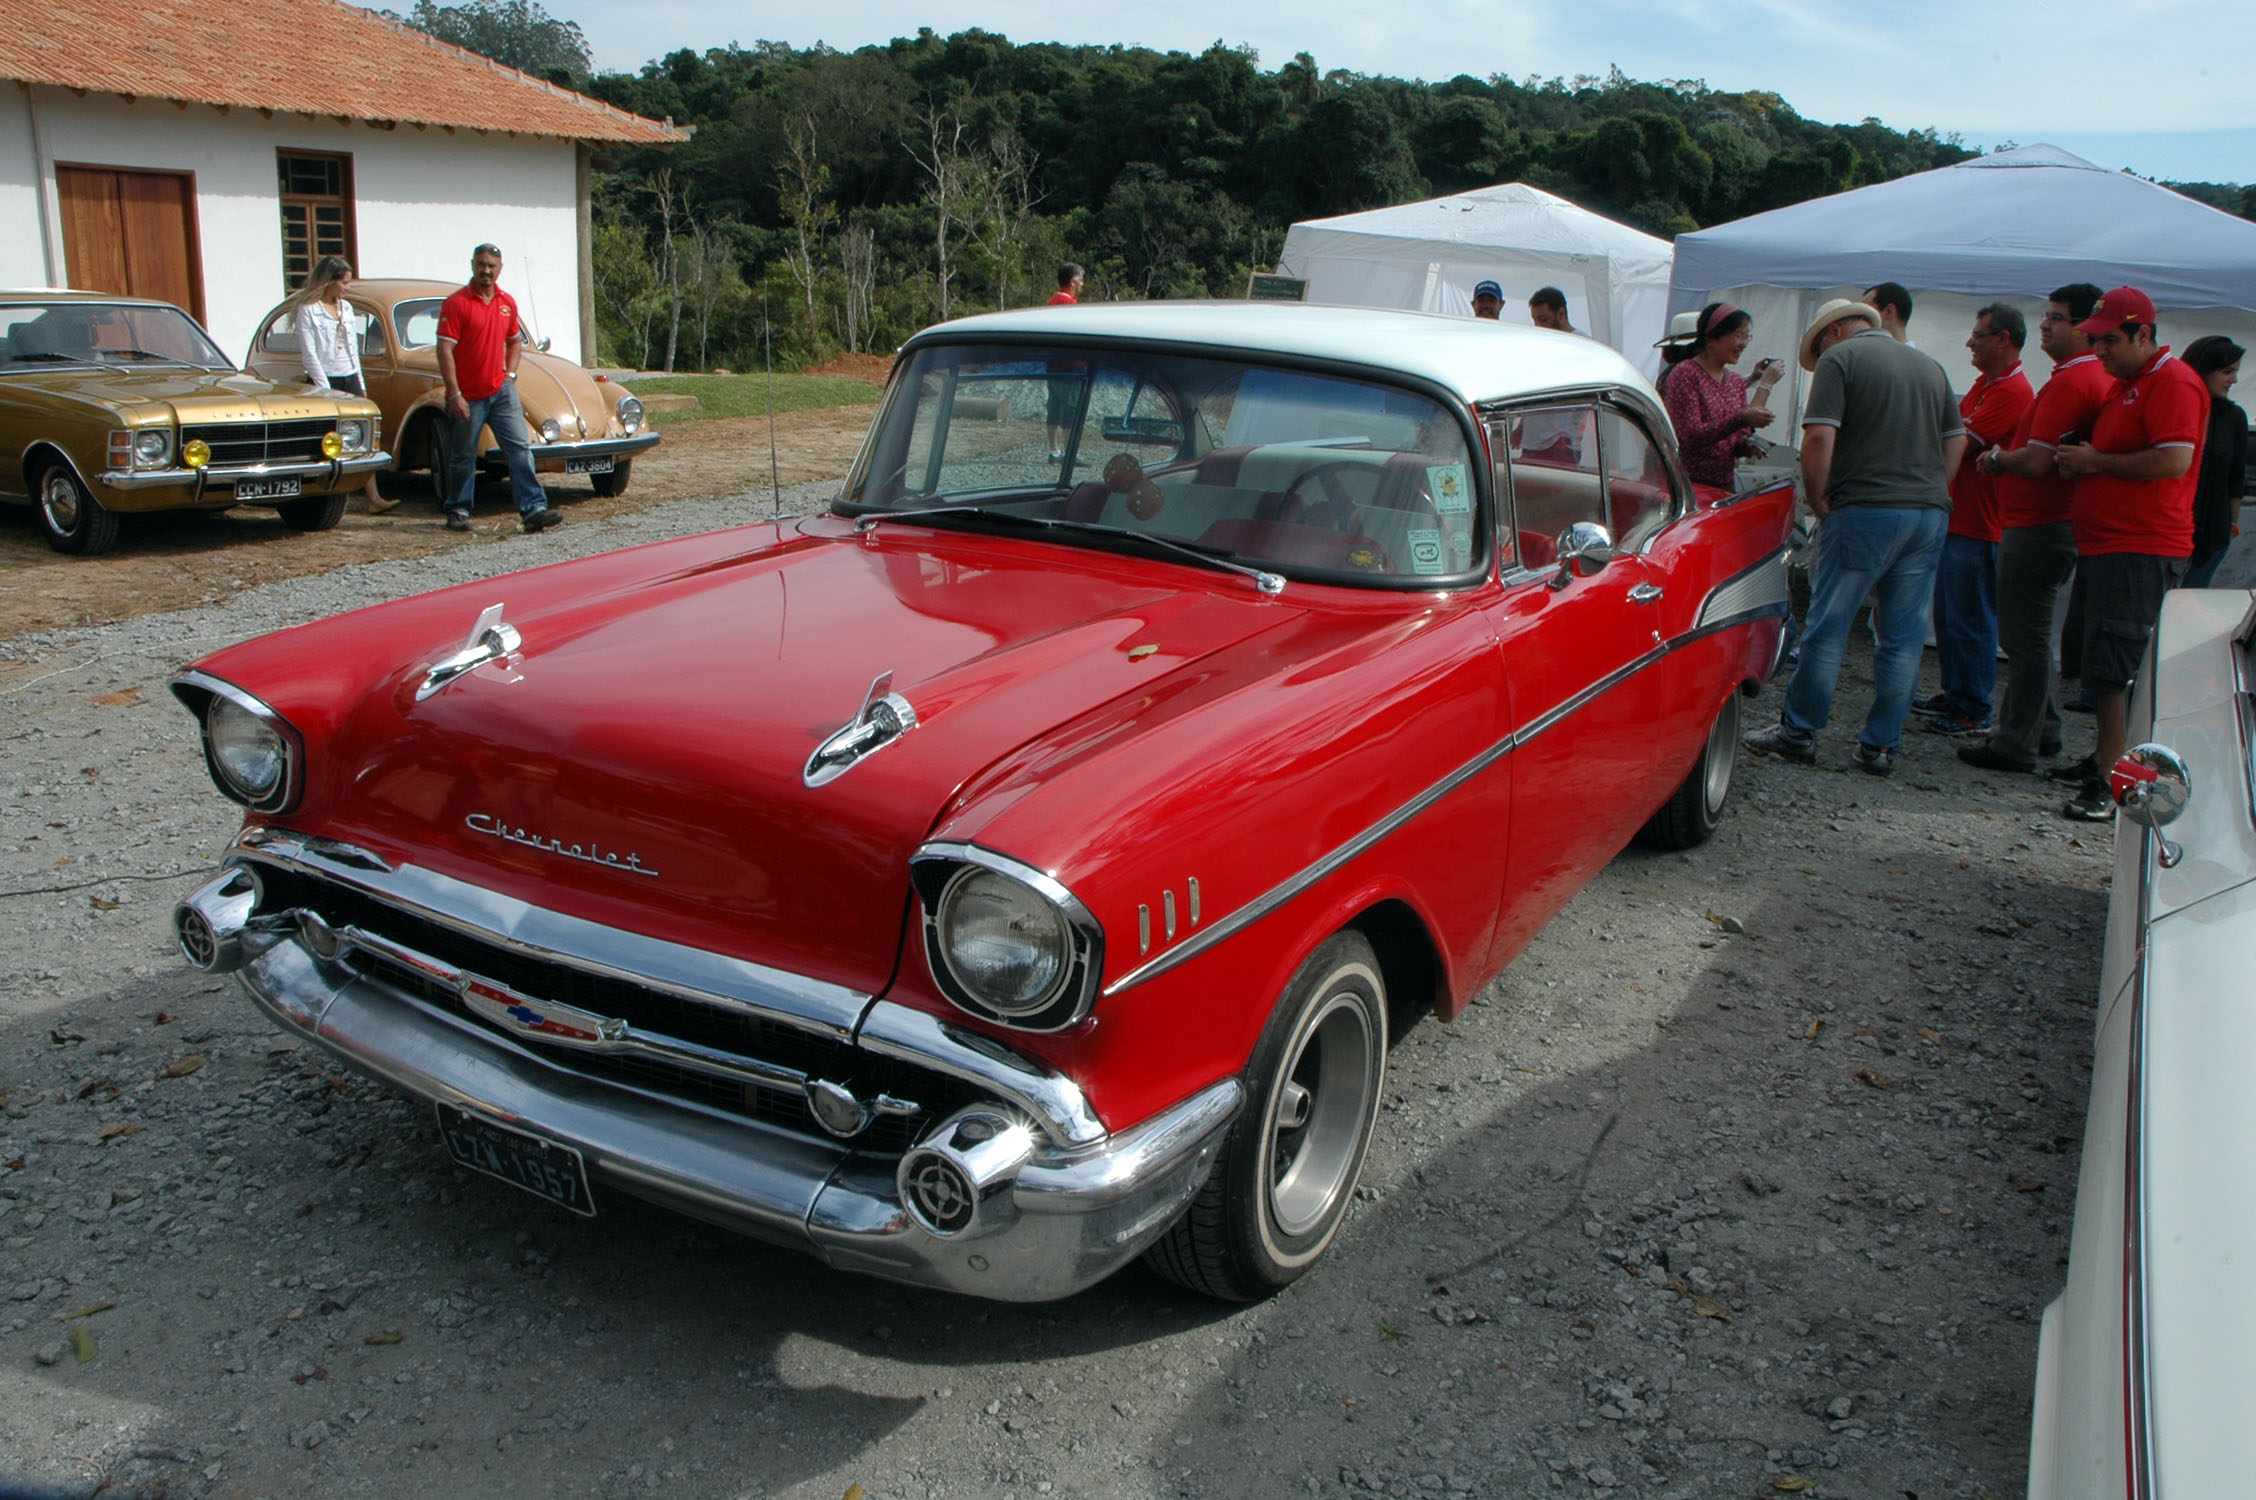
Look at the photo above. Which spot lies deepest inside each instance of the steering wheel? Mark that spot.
(1335, 509)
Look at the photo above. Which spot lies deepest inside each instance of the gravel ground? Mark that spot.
(1749, 1178)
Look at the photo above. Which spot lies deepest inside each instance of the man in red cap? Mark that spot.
(2133, 512)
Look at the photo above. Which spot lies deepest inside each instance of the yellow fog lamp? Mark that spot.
(332, 446)
(195, 453)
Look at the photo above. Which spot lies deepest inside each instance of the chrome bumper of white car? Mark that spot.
(1062, 1219)
(334, 471)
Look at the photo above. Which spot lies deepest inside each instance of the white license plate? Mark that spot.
(542, 1168)
(588, 465)
(266, 489)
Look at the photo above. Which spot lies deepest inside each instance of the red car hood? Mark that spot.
(640, 761)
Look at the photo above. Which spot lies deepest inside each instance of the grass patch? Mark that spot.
(747, 395)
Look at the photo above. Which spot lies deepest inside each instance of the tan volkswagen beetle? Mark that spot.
(113, 405)
(580, 423)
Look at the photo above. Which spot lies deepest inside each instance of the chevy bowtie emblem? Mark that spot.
(541, 1020)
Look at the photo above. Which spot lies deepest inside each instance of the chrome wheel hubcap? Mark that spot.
(1317, 1114)
(1722, 755)
(59, 498)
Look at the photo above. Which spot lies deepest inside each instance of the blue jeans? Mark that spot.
(506, 416)
(2201, 569)
(1889, 553)
(1966, 625)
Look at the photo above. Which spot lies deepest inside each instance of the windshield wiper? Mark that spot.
(42, 354)
(142, 354)
(1212, 557)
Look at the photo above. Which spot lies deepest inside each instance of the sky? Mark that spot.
(2157, 86)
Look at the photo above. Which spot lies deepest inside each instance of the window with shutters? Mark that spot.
(317, 214)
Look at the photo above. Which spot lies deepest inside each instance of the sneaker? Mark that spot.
(1782, 741)
(1953, 724)
(1875, 761)
(2082, 703)
(1930, 707)
(458, 520)
(1983, 758)
(541, 520)
(2090, 805)
(2076, 772)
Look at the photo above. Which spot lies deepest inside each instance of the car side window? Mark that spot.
(1552, 452)
(1640, 496)
(281, 336)
(372, 339)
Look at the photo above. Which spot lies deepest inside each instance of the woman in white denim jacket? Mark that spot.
(329, 344)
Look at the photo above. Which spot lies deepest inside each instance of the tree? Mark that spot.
(517, 33)
(802, 185)
(948, 168)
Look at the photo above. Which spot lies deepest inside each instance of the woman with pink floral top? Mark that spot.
(1707, 399)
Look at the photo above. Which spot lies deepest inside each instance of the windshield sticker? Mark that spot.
(1425, 552)
(1452, 496)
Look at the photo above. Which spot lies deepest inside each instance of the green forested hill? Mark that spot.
(860, 195)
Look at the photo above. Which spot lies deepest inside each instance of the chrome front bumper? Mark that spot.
(625, 447)
(335, 471)
(1074, 1215)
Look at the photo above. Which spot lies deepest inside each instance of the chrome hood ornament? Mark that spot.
(884, 717)
(491, 638)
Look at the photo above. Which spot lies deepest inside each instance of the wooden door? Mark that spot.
(131, 233)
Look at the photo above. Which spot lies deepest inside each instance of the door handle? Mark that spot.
(1645, 593)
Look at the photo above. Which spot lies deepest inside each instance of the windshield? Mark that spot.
(43, 335)
(1274, 467)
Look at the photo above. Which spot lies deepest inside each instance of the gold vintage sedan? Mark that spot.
(580, 423)
(112, 405)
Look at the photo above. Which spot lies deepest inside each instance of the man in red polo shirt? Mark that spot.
(2036, 549)
(481, 339)
(2133, 513)
(1966, 624)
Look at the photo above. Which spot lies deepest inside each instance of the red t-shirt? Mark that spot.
(481, 332)
(2164, 405)
(2067, 404)
(1062, 298)
(1991, 410)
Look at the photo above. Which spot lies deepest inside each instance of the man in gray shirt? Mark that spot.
(1880, 437)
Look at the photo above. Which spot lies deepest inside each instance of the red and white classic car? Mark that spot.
(1017, 869)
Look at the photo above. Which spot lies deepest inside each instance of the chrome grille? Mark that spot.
(738, 1033)
(237, 444)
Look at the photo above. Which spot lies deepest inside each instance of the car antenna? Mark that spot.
(775, 475)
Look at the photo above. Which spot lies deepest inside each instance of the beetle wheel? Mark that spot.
(1289, 1165)
(73, 520)
(615, 482)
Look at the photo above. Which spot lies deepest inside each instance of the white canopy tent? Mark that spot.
(2003, 228)
(1428, 256)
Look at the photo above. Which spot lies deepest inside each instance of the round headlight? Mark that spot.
(248, 753)
(151, 448)
(331, 445)
(195, 453)
(1006, 945)
(550, 432)
(353, 431)
(630, 415)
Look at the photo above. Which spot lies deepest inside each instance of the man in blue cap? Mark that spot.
(1488, 301)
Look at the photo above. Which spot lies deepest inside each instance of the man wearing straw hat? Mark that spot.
(1881, 435)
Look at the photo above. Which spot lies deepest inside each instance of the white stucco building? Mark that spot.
(207, 155)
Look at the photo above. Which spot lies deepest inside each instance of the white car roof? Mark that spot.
(1477, 359)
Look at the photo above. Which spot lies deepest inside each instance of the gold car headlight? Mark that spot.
(353, 433)
(195, 453)
(630, 415)
(152, 447)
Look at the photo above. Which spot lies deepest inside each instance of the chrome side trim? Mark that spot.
(1712, 620)
(1054, 1100)
(2138, 1412)
(1760, 589)
(535, 932)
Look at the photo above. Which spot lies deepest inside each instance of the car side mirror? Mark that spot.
(1584, 548)
(2151, 784)
(542, 346)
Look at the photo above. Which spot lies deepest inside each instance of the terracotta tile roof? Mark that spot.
(252, 54)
